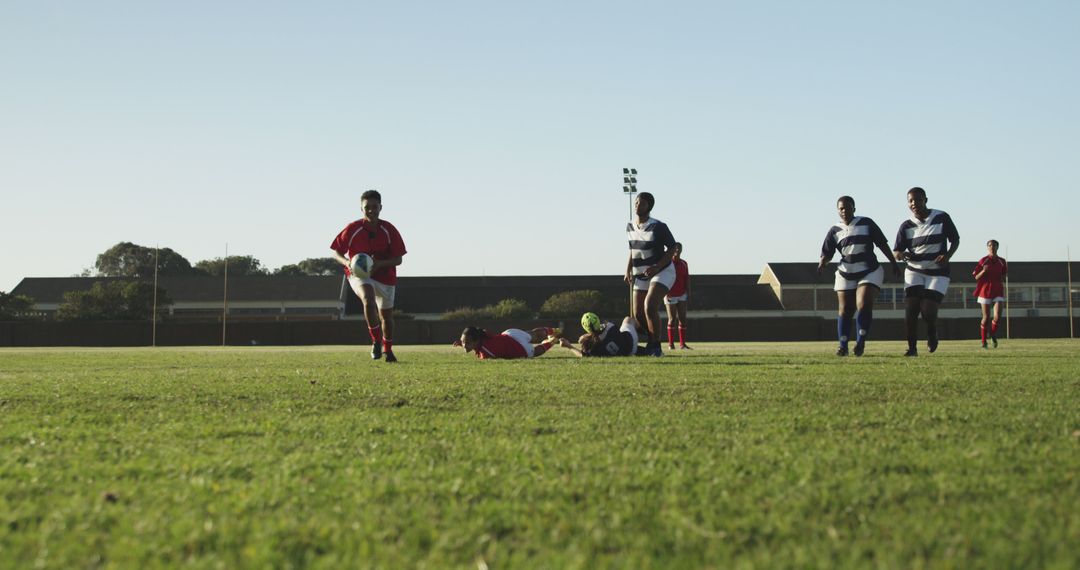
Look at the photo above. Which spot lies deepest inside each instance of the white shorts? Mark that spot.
(985, 301)
(629, 326)
(384, 294)
(875, 278)
(676, 300)
(523, 338)
(666, 277)
(936, 283)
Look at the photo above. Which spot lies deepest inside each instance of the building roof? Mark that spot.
(1019, 272)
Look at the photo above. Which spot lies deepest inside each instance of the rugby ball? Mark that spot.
(360, 264)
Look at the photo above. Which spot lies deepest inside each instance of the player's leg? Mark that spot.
(639, 309)
(865, 296)
(681, 310)
(540, 334)
(672, 322)
(366, 293)
(912, 307)
(985, 308)
(994, 324)
(384, 297)
(845, 308)
(929, 310)
(936, 287)
(653, 299)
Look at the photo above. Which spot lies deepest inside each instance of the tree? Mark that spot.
(289, 270)
(318, 266)
(507, 310)
(112, 300)
(238, 265)
(127, 259)
(574, 303)
(14, 306)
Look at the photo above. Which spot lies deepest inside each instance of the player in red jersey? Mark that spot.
(511, 343)
(677, 299)
(381, 240)
(989, 274)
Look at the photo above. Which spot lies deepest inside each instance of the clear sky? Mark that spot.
(497, 130)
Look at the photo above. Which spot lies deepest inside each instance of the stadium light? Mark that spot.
(629, 178)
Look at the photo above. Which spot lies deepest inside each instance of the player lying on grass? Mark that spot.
(603, 339)
(511, 343)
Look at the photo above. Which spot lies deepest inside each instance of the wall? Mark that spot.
(444, 332)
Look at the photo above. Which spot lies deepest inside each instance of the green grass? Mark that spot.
(729, 456)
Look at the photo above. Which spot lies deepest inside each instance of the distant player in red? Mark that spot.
(677, 299)
(990, 290)
(381, 240)
(509, 344)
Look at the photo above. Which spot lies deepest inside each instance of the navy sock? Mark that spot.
(843, 330)
(862, 324)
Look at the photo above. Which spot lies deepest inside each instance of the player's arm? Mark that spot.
(341, 258)
(980, 270)
(629, 278)
(954, 242)
(665, 260)
(889, 255)
(566, 344)
(827, 250)
(381, 263)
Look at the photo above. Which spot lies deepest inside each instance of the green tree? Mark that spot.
(14, 307)
(507, 309)
(320, 266)
(112, 300)
(127, 259)
(574, 303)
(238, 265)
(312, 266)
(289, 270)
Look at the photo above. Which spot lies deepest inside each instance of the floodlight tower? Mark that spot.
(629, 180)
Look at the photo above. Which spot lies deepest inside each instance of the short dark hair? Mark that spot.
(472, 333)
(919, 191)
(649, 197)
(847, 200)
(995, 242)
(371, 194)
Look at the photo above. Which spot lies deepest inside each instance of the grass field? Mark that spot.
(732, 455)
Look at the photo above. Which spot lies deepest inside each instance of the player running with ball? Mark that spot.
(381, 240)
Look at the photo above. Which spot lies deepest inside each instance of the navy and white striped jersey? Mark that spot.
(612, 342)
(926, 240)
(856, 243)
(648, 243)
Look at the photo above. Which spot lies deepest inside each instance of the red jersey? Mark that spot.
(682, 278)
(499, 346)
(383, 242)
(991, 286)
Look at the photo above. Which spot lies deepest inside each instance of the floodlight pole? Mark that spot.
(1008, 328)
(1069, 289)
(153, 315)
(630, 189)
(225, 300)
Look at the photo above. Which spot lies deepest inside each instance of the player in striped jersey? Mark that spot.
(926, 242)
(649, 269)
(858, 275)
(610, 341)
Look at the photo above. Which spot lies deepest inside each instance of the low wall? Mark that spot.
(759, 329)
